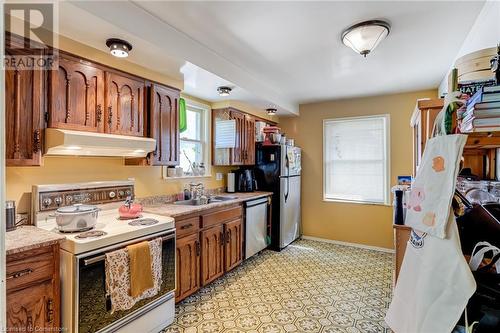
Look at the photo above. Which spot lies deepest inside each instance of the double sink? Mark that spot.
(198, 201)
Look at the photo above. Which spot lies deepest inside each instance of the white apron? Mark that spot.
(434, 185)
(434, 284)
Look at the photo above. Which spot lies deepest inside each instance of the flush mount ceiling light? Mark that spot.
(224, 91)
(271, 111)
(364, 37)
(118, 47)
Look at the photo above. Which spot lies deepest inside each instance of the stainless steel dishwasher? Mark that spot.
(256, 238)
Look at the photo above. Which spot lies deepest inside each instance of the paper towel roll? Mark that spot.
(230, 182)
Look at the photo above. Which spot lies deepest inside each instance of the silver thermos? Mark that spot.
(10, 215)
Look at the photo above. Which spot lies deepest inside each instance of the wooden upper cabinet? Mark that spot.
(234, 244)
(76, 95)
(24, 114)
(249, 150)
(124, 104)
(243, 152)
(164, 124)
(237, 153)
(422, 122)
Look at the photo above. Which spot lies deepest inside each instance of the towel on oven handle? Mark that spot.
(118, 276)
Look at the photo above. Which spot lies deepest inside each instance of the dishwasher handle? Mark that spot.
(256, 202)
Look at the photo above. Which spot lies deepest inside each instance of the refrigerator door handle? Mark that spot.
(287, 177)
(287, 188)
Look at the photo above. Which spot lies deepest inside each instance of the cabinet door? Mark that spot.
(188, 266)
(76, 96)
(422, 122)
(212, 255)
(237, 157)
(234, 244)
(31, 309)
(24, 103)
(249, 153)
(125, 104)
(164, 125)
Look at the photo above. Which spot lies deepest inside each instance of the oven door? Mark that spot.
(92, 304)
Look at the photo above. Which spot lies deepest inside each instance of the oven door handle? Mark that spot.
(93, 260)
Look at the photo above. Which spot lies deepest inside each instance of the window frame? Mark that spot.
(387, 160)
(205, 139)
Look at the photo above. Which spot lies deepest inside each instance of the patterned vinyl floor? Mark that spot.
(308, 287)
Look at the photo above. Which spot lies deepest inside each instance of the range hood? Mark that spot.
(79, 143)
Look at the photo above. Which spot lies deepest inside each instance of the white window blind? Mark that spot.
(356, 159)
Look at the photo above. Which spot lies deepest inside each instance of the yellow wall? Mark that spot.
(149, 180)
(355, 223)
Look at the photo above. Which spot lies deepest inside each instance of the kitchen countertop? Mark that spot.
(28, 237)
(181, 210)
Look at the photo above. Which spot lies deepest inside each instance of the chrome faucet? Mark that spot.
(196, 189)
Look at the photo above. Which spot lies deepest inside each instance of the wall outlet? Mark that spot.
(219, 176)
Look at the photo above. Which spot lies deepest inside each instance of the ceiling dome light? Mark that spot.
(118, 47)
(224, 91)
(364, 37)
(271, 111)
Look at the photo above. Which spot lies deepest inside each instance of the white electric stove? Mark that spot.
(84, 303)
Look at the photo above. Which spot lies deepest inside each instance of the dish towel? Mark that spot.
(434, 284)
(141, 273)
(117, 269)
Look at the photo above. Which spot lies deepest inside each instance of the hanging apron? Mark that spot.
(434, 284)
(434, 185)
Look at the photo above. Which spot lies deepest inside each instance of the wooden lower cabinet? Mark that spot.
(33, 297)
(208, 245)
(401, 237)
(188, 266)
(212, 254)
(233, 248)
(28, 310)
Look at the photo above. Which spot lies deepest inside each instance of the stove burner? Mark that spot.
(145, 221)
(91, 234)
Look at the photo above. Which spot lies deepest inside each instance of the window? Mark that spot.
(356, 159)
(193, 141)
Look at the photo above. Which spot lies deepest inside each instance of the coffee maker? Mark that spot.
(245, 180)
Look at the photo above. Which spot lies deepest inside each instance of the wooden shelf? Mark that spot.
(486, 140)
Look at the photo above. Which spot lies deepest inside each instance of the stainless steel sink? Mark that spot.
(223, 198)
(188, 202)
(197, 202)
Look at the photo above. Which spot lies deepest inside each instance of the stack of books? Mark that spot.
(482, 113)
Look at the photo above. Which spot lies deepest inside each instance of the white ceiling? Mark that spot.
(284, 53)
